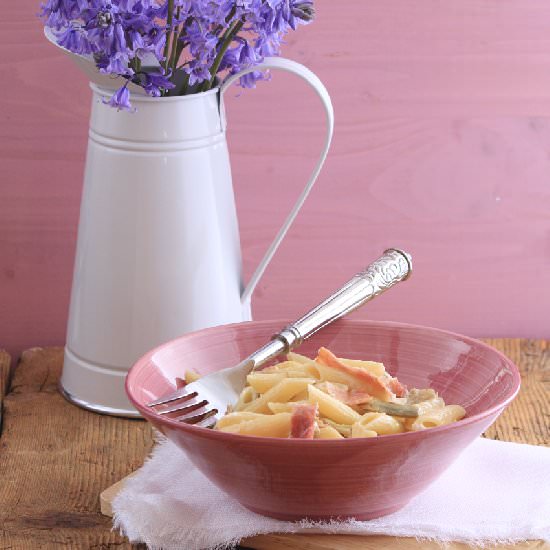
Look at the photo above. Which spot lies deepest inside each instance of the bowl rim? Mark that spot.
(150, 416)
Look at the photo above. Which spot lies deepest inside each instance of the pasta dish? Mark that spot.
(332, 398)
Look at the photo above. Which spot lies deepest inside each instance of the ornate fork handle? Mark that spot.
(392, 267)
(222, 388)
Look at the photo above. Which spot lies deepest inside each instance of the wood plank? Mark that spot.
(5, 362)
(527, 419)
(59, 459)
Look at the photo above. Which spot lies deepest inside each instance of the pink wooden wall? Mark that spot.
(442, 146)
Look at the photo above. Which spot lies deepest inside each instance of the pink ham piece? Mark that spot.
(346, 395)
(370, 383)
(396, 387)
(302, 421)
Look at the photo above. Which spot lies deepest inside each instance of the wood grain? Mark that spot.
(5, 361)
(441, 147)
(55, 459)
(527, 419)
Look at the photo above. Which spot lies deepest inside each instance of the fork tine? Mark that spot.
(209, 422)
(198, 418)
(178, 394)
(187, 406)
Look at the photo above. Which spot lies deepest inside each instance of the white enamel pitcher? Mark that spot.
(158, 251)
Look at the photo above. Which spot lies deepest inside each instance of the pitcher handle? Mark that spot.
(317, 85)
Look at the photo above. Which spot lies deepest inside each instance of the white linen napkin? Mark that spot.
(494, 492)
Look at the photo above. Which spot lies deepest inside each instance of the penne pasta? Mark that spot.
(332, 408)
(357, 378)
(302, 371)
(292, 356)
(358, 430)
(426, 406)
(303, 364)
(276, 425)
(247, 396)
(328, 374)
(381, 423)
(342, 429)
(438, 417)
(235, 418)
(191, 375)
(417, 396)
(280, 393)
(280, 367)
(373, 367)
(331, 398)
(433, 403)
(302, 396)
(262, 382)
(328, 432)
(284, 407)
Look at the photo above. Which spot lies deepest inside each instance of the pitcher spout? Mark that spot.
(88, 66)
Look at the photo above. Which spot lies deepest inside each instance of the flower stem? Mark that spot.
(175, 39)
(230, 16)
(169, 20)
(181, 44)
(227, 39)
(135, 64)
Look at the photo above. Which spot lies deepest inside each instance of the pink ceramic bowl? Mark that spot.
(319, 479)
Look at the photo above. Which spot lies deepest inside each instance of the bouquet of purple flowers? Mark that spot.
(174, 47)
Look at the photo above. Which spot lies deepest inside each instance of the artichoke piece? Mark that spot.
(393, 409)
(418, 396)
(342, 429)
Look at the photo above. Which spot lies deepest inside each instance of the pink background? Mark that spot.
(442, 147)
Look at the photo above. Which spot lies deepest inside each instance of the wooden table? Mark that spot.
(55, 458)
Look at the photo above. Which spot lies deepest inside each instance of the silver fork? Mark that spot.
(206, 400)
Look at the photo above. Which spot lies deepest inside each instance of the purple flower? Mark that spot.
(249, 80)
(302, 10)
(156, 40)
(75, 40)
(120, 99)
(202, 44)
(203, 38)
(197, 73)
(153, 82)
